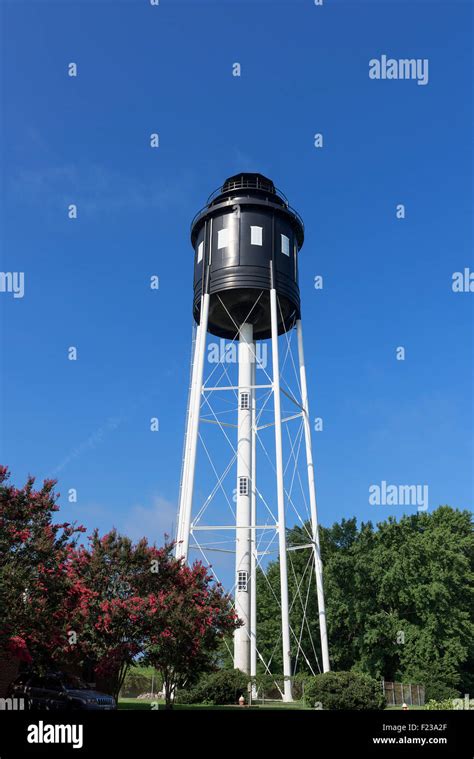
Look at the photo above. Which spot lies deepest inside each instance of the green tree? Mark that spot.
(398, 599)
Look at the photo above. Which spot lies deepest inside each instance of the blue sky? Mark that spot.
(387, 282)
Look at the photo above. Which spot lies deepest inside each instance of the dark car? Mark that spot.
(59, 692)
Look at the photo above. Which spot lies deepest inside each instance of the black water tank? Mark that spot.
(245, 232)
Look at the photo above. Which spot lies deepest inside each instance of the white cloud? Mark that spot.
(96, 188)
(151, 522)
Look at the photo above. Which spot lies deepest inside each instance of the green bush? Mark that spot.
(343, 690)
(189, 696)
(448, 703)
(440, 678)
(222, 687)
(439, 691)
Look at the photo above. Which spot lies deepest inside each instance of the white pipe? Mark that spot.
(253, 557)
(193, 426)
(312, 499)
(243, 510)
(285, 623)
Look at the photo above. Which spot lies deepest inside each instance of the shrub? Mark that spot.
(344, 690)
(189, 696)
(439, 691)
(448, 703)
(222, 687)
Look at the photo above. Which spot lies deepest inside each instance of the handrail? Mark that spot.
(240, 185)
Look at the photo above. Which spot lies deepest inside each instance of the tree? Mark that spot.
(36, 591)
(107, 602)
(142, 602)
(122, 584)
(335, 545)
(398, 599)
(192, 618)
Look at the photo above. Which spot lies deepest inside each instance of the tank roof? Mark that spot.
(245, 187)
(247, 181)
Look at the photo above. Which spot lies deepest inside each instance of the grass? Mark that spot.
(146, 705)
(137, 704)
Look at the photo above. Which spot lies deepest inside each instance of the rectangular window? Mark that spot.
(222, 238)
(256, 235)
(242, 580)
(243, 485)
(285, 245)
(244, 401)
(200, 251)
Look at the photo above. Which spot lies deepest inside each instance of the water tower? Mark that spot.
(246, 243)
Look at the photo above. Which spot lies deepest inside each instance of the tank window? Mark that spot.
(244, 401)
(222, 238)
(256, 235)
(243, 485)
(242, 580)
(200, 250)
(285, 245)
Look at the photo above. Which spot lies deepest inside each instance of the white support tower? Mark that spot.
(247, 241)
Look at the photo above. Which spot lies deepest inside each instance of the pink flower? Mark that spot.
(17, 646)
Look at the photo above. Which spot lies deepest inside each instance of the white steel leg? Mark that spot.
(193, 427)
(184, 473)
(312, 499)
(285, 623)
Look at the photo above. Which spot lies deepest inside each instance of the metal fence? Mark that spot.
(397, 694)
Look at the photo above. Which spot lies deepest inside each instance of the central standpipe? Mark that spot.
(253, 532)
(243, 577)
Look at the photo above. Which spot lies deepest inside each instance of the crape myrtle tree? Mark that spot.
(107, 602)
(36, 591)
(193, 618)
(122, 584)
(398, 599)
(142, 602)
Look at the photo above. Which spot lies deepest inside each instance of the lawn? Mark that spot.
(145, 704)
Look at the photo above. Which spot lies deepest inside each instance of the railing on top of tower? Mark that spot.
(249, 183)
